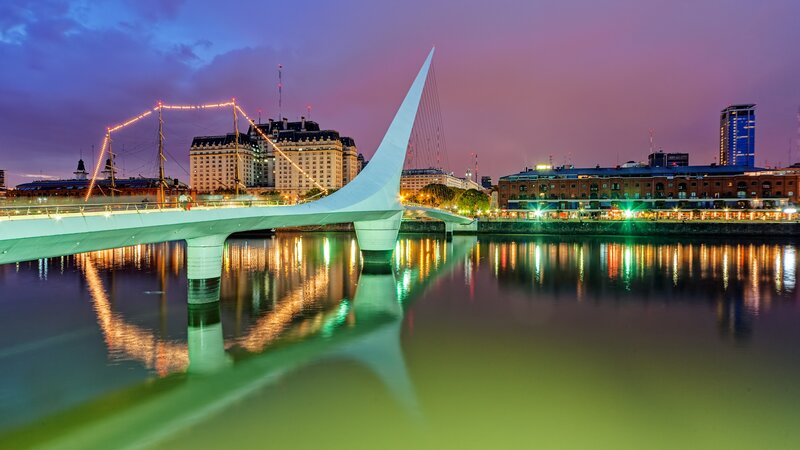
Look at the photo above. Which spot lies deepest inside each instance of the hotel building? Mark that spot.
(307, 152)
(213, 162)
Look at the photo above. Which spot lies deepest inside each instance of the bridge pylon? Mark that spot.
(377, 187)
(377, 239)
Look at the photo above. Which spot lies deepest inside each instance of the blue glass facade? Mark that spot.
(737, 136)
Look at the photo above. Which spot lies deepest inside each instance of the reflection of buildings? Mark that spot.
(734, 317)
(730, 276)
(277, 290)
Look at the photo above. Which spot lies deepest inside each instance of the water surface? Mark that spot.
(497, 342)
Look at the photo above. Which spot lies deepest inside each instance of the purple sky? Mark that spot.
(582, 81)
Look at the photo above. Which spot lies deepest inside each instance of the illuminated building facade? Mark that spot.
(213, 162)
(657, 187)
(412, 180)
(322, 155)
(737, 136)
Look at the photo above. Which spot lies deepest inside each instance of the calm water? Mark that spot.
(490, 343)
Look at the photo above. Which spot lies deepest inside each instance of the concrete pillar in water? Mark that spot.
(206, 343)
(377, 239)
(204, 267)
(448, 231)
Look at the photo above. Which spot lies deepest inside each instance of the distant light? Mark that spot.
(628, 214)
(543, 167)
(538, 213)
(790, 210)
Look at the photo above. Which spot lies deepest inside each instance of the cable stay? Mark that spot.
(427, 146)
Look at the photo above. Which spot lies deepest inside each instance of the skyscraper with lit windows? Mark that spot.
(737, 136)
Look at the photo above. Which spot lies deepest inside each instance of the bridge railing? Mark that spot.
(57, 211)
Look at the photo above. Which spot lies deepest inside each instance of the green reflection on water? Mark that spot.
(507, 342)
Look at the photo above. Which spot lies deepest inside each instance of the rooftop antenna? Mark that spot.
(259, 115)
(308, 111)
(280, 91)
(652, 146)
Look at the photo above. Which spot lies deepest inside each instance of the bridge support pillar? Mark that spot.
(204, 268)
(448, 231)
(377, 239)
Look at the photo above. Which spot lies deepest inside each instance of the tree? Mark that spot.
(472, 201)
(436, 194)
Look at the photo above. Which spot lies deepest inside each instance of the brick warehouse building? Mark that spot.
(695, 187)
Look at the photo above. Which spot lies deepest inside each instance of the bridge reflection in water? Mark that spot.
(292, 305)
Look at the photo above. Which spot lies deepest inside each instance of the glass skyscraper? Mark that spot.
(737, 136)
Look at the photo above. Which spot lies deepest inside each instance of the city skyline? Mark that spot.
(78, 68)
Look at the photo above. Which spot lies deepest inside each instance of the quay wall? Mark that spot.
(406, 226)
(599, 228)
(641, 228)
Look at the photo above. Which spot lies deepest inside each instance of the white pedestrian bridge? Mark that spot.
(370, 202)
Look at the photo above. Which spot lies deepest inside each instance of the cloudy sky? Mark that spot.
(519, 81)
